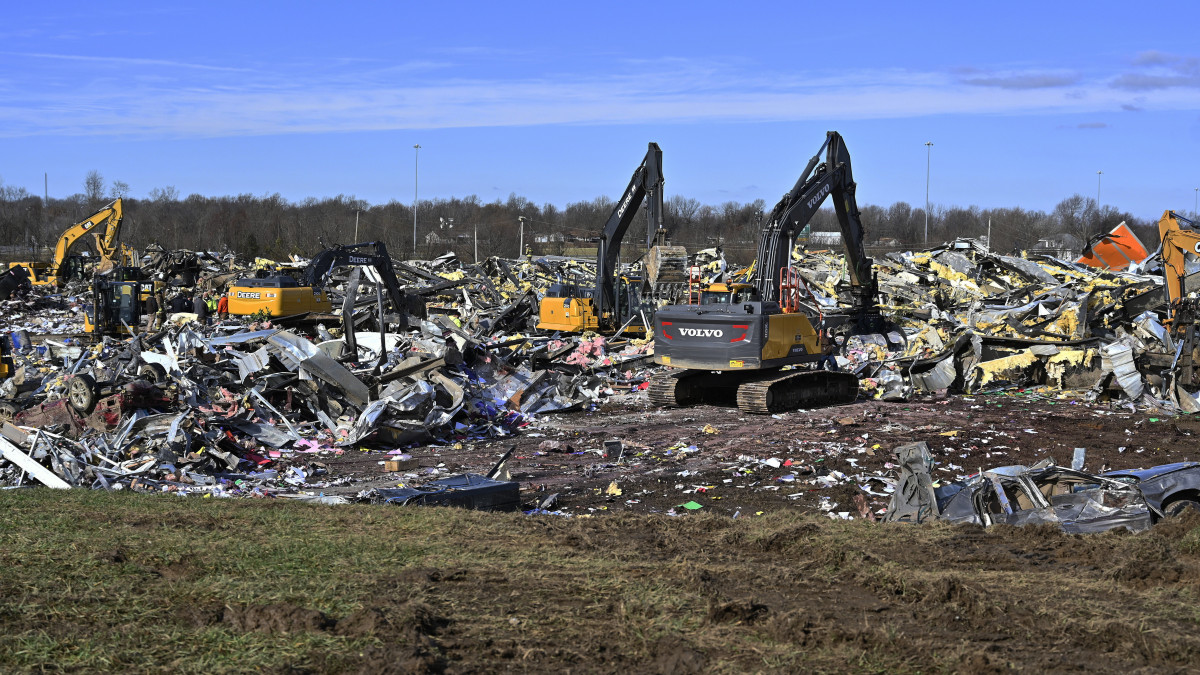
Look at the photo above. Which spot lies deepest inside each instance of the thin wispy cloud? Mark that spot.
(162, 98)
(120, 60)
(1157, 70)
(1031, 80)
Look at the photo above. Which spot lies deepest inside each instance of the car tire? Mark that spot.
(153, 373)
(1181, 506)
(81, 393)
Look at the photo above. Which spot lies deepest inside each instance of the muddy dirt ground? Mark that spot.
(731, 463)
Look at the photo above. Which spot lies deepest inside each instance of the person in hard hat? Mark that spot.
(223, 307)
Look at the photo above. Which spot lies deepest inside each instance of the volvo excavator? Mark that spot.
(65, 267)
(616, 301)
(735, 343)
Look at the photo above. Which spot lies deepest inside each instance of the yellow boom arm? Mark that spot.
(1176, 244)
(110, 215)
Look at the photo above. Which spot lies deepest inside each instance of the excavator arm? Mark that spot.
(322, 265)
(111, 215)
(647, 181)
(1177, 243)
(818, 181)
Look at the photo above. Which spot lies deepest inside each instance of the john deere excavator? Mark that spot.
(734, 344)
(65, 267)
(616, 301)
(406, 305)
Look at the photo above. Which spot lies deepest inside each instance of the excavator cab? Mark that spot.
(73, 268)
(728, 294)
(131, 273)
(116, 308)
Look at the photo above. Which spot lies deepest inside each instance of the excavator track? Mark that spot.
(673, 389)
(792, 390)
(754, 392)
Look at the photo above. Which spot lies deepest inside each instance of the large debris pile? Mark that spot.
(244, 407)
(978, 321)
(251, 407)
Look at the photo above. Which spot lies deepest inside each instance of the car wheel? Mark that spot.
(81, 393)
(153, 373)
(1181, 506)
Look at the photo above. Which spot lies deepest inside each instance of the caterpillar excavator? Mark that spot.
(735, 343)
(1178, 244)
(616, 301)
(65, 267)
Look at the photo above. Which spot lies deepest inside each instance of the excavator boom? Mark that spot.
(111, 216)
(1177, 244)
(610, 304)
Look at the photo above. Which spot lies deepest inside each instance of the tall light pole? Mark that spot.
(416, 176)
(928, 154)
(1098, 174)
(356, 212)
(1196, 203)
(521, 241)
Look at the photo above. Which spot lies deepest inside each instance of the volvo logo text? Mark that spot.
(701, 332)
(816, 199)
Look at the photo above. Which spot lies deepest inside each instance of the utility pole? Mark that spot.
(1098, 173)
(521, 241)
(1196, 203)
(476, 241)
(928, 155)
(416, 175)
(356, 212)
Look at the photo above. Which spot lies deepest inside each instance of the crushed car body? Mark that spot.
(1076, 501)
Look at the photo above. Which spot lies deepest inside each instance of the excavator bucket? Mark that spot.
(666, 265)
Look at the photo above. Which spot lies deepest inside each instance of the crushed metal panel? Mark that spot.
(301, 352)
(47, 477)
(914, 500)
(939, 377)
(1028, 268)
(1118, 359)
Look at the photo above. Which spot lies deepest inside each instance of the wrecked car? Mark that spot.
(88, 406)
(1171, 489)
(1075, 501)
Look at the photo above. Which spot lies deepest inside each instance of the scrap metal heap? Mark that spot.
(243, 407)
(246, 407)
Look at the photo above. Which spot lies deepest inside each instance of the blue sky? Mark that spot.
(1024, 102)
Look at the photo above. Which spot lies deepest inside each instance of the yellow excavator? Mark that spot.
(619, 302)
(1178, 244)
(65, 267)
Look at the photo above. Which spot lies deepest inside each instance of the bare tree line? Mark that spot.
(271, 226)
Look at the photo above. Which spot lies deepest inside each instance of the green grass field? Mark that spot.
(124, 582)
